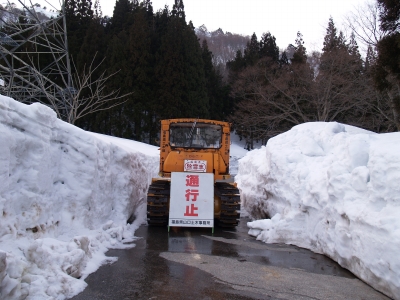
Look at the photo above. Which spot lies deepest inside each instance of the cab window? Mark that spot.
(195, 135)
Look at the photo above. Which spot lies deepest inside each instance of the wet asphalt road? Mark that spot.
(192, 263)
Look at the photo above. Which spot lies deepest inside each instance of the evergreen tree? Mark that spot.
(340, 82)
(370, 59)
(355, 56)
(331, 40)
(92, 53)
(125, 120)
(117, 121)
(390, 15)
(268, 47)
(169, 68)
(342, 41)
(180, 70)
(178, 9)
(353, 46)
(196, 89)
(158, 58)
(84, 10)
(98, 14)
(141, 61)
(235, 66)
(120, 18)
(334, 48)
(387, 67)
(300, 54)
(252, 51)
(284, 59)
(93, 47)
(219, 101)
(79, 16)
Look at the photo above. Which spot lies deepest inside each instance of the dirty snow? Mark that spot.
(331, 188)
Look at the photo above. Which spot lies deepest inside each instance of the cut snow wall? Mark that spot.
(333, 189)
(54, 173)
(58, 182)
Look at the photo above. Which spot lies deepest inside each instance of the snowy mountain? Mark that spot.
(44, 12)
(223, 45)
(68, 195)
(10, 13)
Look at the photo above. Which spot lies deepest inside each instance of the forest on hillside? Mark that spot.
(275, 90)
(165, 68)
(157, 59)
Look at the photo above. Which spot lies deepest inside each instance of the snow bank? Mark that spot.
(334, 189)
(236, 151)
(65, 198)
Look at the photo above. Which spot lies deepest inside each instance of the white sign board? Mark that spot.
(192, 200)
(195, 166)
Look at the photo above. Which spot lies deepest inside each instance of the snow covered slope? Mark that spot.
(65, 198)
(334, 189)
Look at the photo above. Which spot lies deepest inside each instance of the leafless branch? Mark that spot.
(364, 22)
(90, 94)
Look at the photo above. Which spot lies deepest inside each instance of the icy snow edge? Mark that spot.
(331, 188)
(65, 198)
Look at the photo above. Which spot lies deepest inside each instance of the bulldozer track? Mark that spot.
(230, 204)
(157, 203)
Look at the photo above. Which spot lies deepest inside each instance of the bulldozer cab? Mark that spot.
(183, 141)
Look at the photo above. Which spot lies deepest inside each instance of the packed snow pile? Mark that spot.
(334, 189)
(65, 198)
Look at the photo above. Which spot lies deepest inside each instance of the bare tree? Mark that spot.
(90, 94)
(86, 95)
(338, 90)
(35, 66)
(274, 98)
(392, 94)
(384, 114)
(364, 22)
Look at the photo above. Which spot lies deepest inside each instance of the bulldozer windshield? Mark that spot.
(195, 135)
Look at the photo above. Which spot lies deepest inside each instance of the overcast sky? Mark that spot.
(283, 18)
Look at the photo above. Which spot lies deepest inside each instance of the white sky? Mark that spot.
(282, 18)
